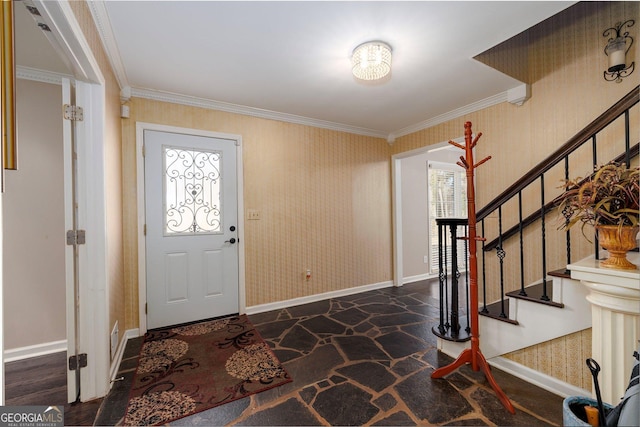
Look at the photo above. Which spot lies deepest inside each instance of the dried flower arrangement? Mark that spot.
(610, 196)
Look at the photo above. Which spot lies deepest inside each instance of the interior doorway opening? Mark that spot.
(415, 209)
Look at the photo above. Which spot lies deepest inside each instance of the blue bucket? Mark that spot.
(573, 410)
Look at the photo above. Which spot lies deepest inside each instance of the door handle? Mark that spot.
(232, 240)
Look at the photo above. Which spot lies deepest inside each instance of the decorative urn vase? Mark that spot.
(617, 241)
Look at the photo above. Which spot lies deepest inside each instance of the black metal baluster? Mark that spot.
(484, 277)
(566, 212)
(544, 296)
(446, 280)
(501, 254)
(455, 324)
(594, 152)
(466, 274)
(627, 140)
(441, 279)
(522, 291)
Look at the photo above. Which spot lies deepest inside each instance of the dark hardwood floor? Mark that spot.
(43, 381)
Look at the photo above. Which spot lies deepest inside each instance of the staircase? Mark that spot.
(520, 315)
(531, 322)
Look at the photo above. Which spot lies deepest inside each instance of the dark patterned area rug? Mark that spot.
(188, 369)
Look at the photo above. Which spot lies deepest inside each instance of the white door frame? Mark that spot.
(396, 204)
(142, 274)
(68, 39)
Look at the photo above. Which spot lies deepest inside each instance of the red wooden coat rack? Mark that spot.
(473, 355)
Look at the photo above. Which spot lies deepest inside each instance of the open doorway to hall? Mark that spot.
(428, 185)
(446, 199)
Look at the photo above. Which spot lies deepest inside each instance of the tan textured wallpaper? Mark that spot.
(324, 198)
(563, 60)
(325, 195)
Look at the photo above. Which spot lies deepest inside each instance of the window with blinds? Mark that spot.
(447, 194)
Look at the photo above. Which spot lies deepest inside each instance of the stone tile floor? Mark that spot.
(362, 359)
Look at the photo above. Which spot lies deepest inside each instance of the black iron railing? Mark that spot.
(539, 217)
(451, 239)
(532, 182)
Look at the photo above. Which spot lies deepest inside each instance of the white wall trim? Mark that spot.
(27, 352)
(292, 118)
(67, 38)
(418, 278)
(252, 111)
(396, 219)
(103, 24)
(453, 114)
(525, 373)
(396, 205)
(117, 359)
(93, 271)
(42, 76)
(544, 381)
(142, 262)
(261, 308)
(105, 31)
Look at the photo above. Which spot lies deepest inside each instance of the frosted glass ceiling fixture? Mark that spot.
(371, 61)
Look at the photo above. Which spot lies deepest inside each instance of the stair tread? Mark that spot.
(494, 311)
(534, 294)
(563, 272)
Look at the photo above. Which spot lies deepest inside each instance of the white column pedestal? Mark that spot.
(615, 309)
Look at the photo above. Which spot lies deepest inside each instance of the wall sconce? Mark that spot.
(616, 49)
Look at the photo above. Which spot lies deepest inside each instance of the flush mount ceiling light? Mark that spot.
(371, 61)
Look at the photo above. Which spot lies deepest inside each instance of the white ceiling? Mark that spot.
(293, 57)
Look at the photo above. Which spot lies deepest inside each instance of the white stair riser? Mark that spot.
(537, 322)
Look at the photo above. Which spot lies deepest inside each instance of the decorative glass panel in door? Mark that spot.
(192, 191)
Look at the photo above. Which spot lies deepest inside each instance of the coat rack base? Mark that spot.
(478, 362)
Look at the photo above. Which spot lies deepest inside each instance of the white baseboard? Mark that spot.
(544, 381)
(261, 308)
(418, 278)
(525, 373)
(20, 353)
(115, 363)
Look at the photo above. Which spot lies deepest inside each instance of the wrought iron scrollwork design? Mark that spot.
(192, 191)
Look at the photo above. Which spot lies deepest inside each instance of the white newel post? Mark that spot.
(615, 309)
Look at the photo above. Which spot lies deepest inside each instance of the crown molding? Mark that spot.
(453, 114)
(101, 18)
(292, 118)
(42, 76)
(103, 24)
(251, 111)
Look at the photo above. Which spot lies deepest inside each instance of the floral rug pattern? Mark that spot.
(187, 369)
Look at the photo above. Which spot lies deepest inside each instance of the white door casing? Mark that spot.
(68, 40)
(87, 299)
(71, 308)
(93, 273)
(192, 248)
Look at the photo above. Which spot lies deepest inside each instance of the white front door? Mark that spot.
(191, 228)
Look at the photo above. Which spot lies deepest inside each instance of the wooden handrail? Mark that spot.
(633, 152)
(576, 141)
